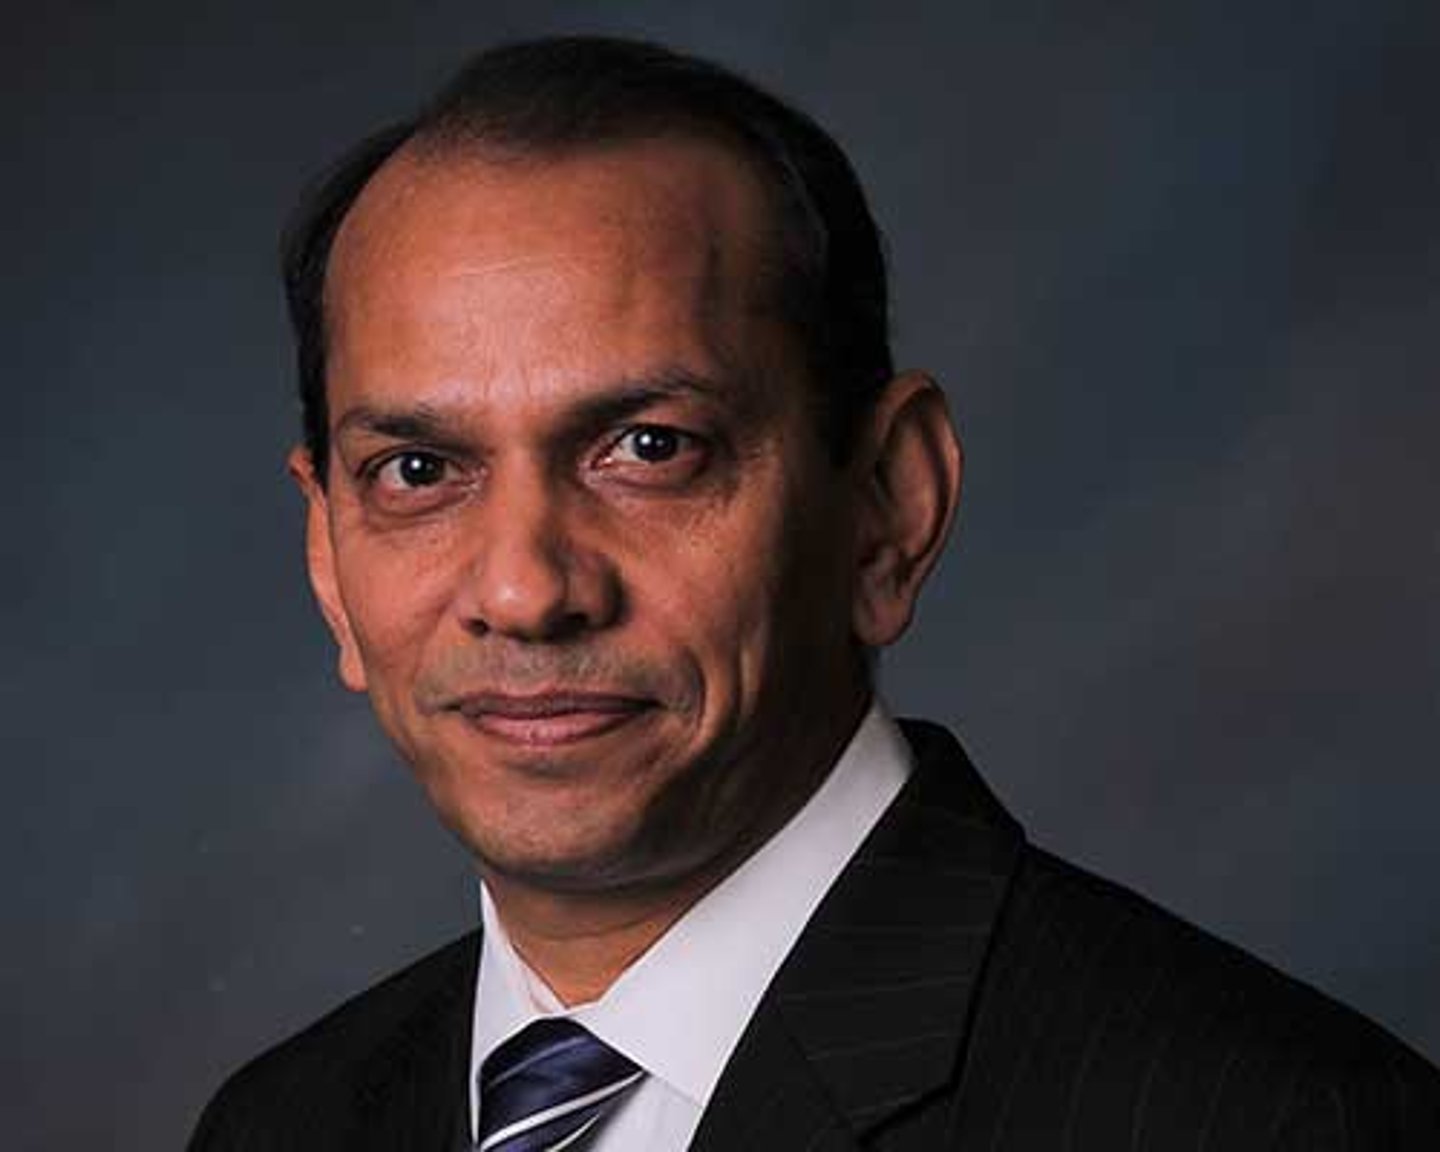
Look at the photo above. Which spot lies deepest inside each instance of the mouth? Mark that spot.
(549, 719)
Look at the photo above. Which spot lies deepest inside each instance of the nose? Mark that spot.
(537, 571)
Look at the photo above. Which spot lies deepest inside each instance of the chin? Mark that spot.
(558, 835)
(591, 817)
(594, 852)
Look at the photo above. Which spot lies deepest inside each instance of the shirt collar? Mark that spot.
(713, 965)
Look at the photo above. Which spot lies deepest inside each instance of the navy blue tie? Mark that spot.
(547, 1086)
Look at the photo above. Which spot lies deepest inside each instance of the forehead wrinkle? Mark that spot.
(512, 264)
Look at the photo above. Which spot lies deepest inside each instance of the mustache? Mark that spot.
(522, 670)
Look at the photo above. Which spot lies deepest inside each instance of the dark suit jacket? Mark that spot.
(957, 989)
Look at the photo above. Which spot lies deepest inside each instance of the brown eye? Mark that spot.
(650, 444)
(657, 457)
(414, 469)
(413, 482)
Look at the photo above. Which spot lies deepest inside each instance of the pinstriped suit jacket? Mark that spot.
(957, 989)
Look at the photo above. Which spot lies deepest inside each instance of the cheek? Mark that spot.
(717, 593)
(394, 597)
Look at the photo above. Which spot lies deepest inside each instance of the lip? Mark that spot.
(549, 719)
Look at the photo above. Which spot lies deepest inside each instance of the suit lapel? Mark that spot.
(768, 1097)
(871, 1011)
(412, 1091)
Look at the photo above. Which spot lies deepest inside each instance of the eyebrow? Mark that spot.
(609, 405)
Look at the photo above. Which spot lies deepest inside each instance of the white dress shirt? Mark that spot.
(679, 1010)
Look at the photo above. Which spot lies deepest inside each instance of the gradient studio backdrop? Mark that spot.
(1177, 266)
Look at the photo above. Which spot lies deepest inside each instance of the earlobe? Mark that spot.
(910, 491)
(320, 561)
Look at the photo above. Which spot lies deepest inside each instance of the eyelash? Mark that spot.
(371, 473)
(683, 440)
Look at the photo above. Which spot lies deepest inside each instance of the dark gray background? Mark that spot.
(1177, 267)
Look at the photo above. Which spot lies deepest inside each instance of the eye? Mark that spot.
(649, 444)
(411, 470)
(656, 456)
(411, 481)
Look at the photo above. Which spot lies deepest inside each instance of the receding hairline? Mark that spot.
(443, 145)
(425, 153)
(426, 149)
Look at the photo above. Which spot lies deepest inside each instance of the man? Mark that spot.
(613, 494)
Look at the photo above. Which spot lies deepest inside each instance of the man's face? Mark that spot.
(581, 542)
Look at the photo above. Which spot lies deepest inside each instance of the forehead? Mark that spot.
(637, 250)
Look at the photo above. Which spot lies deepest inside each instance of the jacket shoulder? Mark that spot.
(1134, 1028)
(292, 1094)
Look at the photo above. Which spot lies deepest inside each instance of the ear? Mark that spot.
(320, 560)
(910, 488)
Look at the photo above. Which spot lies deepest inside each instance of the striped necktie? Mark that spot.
(547, 1086)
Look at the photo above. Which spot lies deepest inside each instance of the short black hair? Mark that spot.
(563, 94)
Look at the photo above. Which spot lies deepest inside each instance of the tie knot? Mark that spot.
(548, 1085)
